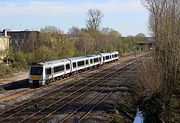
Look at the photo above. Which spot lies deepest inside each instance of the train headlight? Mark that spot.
(30, 80)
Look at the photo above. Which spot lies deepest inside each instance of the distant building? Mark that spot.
(4, 44)
(146, 43)
(23, 40)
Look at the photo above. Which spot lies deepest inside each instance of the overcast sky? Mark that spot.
(128, 17)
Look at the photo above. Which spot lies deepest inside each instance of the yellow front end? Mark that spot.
(35, 77)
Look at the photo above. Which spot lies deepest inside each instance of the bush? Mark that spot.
(44, 53)
(20, 60)
(4, 70)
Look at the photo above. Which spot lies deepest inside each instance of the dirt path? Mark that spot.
(15, 77)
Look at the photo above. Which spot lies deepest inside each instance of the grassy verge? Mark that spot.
(124, 111)
(5, 70)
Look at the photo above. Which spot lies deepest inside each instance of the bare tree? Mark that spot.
(74, 31)
(165, 26)
(94, 19)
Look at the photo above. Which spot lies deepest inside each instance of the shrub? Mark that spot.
(20, 60)
(44, 53)
(4, 70)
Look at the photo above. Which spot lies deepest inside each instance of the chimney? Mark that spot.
(5, 32)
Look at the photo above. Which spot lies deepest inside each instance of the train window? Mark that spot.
(110, 56)
(116, 55)
(107, 57)
(48, 71)
(91, 60)
(99, 58)
(67, 66)
(36, 71)
(104, 58)
(80, 63)
(58, 68)
(74, 64)
(95, 60)
(87, 62)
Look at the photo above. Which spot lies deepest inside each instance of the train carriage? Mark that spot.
(79, 63)
(115, 55)
(44, 72)
(109, 57)
(95, 60)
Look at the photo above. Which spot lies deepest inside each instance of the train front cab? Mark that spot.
(36, 73)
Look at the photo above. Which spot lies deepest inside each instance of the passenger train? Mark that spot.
(45, 72)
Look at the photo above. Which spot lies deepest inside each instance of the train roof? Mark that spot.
(78, 58)
(94, 55)
(63, 61)
(109, 53)
(105, 54)
(55, 62)
(114, 52)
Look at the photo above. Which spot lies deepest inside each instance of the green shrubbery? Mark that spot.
(5, 70)
(51, 44)
(20, 60)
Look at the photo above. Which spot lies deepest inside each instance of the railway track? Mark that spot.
(22, 92)
(57, 101)
(73, 101)
(84, 111)
(87, 110)
(16, 109)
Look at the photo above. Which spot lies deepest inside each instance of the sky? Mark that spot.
(129, 17)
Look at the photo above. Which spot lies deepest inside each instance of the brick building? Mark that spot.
(23, 40)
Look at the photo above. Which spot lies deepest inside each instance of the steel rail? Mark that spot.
(70, 95)
(105, 97)
(91, 74)
(104, 71)
(70, 115)
(72, 100)
(49, 97)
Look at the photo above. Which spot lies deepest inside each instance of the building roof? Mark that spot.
(147, 40)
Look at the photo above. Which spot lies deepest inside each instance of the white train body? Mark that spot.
(108, 57)
(44, 72)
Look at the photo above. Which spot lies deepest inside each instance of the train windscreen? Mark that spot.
(36, 71)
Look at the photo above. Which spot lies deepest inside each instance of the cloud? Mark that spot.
(39, 7)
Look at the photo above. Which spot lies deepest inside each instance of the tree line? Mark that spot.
(51, 43)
